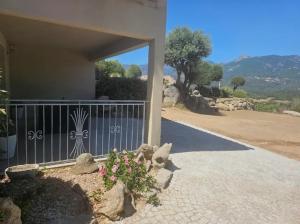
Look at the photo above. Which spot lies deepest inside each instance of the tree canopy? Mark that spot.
(111, 68)
(133, 71)
(205, 73)
(184, 50)
(237, 82)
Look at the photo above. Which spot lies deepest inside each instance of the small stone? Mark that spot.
(171, 96)
(85, 163)
(147, 150)
(161, 156)
(148, 165)
(163, 178)
(112, 204)
(11, 211)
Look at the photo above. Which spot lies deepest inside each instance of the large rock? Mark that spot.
(112, 204)
(163, 178)
(12, 213)
(147, 150)
(85, 163)
(161, 155)
(20, 171)
(171, 96)
(293, 113)
(222, 106)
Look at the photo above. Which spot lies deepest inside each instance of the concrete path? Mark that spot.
(220, 181)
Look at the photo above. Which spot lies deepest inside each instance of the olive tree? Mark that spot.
(204, 73)
(184, 50)
(237, 82)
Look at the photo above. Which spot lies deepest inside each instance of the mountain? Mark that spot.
(270, 75)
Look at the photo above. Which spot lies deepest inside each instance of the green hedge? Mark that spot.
(121, 88)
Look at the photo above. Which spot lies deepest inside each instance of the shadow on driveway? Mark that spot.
(187, 139)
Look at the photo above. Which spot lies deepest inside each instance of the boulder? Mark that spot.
(161, 156)
(20, 171)
(147, 150)
(148, 165)
(112, 204)
(231, 107)
(12, 213)
(196, 93)
(222, 106)
(85, 163)
(171, 96)
(163, 178)
(290, 112)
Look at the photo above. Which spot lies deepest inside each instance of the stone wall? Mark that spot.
(232, 104)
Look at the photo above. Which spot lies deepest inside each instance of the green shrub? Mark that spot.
(267, 107)
(121, 88)
(239, 93)
(295, 104)
(132, 173)
(226, 92)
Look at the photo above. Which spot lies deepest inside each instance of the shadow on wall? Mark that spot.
(187, 139)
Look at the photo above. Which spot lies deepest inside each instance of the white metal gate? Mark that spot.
(58, 131)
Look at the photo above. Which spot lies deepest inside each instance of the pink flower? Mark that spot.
(113, 178)
(129, 170)
(102, 171)
(126, 160)
(115, 168)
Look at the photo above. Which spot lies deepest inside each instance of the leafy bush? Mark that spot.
(239, 93)
(132, 173)
(121, 88)
(226, 92)
(268, 107)
(295, 104)
(134, 71)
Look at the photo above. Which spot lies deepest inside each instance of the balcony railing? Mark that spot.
(51, 131)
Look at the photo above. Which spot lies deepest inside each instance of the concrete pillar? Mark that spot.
(154, 91)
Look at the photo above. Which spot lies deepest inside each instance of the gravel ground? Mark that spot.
(240, 187)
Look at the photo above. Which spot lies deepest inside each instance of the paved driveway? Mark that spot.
(220, 181)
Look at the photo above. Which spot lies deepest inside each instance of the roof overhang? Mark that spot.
(93, 44)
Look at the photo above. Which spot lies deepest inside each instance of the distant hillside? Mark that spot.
(271, 75)
(267, 75)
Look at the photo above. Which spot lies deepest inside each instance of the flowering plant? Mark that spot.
(124, 167)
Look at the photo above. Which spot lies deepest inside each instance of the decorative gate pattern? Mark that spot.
(59, 131)
(78, 118)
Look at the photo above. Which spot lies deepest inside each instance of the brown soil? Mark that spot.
(58, 196)
(279, 133)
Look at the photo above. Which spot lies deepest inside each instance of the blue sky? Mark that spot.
(235, 27)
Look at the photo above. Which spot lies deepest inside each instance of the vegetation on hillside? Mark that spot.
(237, 82)
(267, 76)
